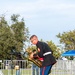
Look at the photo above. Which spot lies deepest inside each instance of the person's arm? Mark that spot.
(40, 50)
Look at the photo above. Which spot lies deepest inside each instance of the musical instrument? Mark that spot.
(35, 61)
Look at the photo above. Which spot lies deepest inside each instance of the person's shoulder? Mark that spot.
(43, 43)
(40, 42)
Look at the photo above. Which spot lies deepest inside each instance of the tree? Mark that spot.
(13, 37)
(68, 39)
(14, 18)
(6, 38)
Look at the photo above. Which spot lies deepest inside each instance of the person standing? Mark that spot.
(45, 52)
(35, 69)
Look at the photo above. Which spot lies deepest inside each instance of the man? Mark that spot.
(45, 52)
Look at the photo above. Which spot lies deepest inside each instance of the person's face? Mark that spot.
(34, 40)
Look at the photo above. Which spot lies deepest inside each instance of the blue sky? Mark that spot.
(45, 18)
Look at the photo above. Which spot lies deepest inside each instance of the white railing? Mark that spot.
(62, 67)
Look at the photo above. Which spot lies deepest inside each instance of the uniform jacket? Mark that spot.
(48, 59)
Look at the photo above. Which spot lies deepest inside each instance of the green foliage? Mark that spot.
(68, 39)
(2, 21)
(12, 37)
(6, 41)
(14, 18)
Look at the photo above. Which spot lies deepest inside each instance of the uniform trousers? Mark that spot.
(45, 70)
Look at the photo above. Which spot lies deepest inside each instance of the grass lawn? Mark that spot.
(28, 72)
(13, 72)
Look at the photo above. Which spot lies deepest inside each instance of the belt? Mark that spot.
(47, 53)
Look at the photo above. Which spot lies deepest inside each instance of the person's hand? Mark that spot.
(38, 50)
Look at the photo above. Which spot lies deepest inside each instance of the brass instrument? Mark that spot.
(35, 61)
